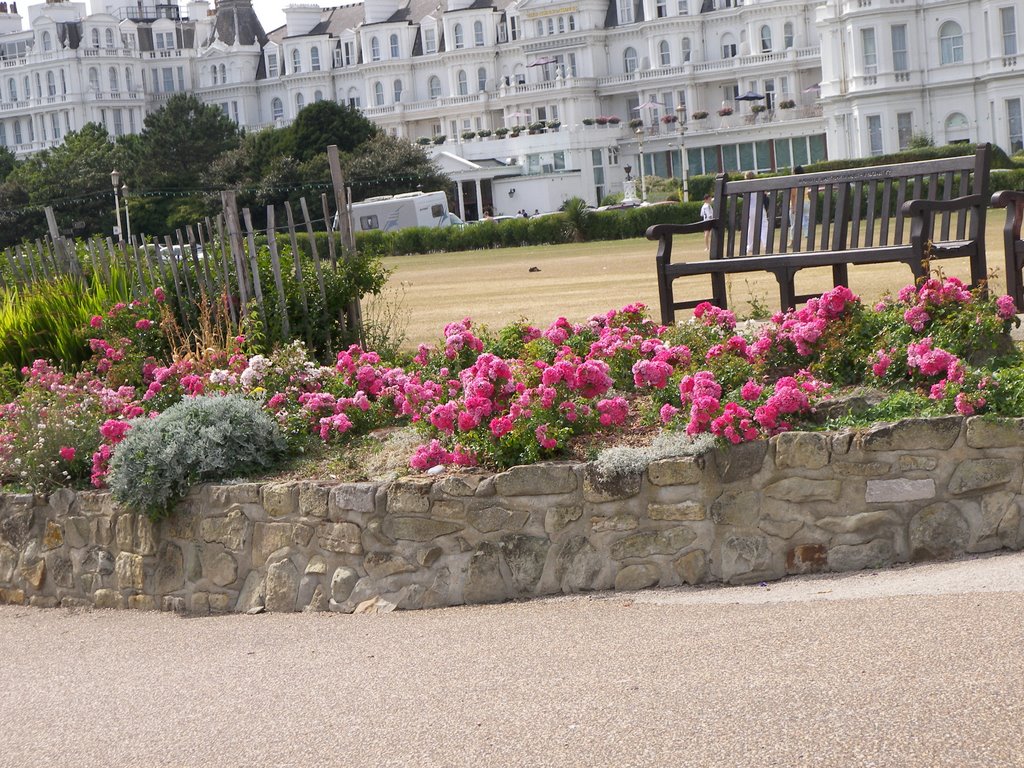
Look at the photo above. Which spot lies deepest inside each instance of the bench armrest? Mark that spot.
(1007, 197)
(657, 231)
(917, 207)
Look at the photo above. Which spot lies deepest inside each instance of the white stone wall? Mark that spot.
(922, 489)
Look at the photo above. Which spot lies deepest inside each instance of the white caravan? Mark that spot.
(410, 209)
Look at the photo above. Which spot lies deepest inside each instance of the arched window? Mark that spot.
(47, 42)
(481, 79)
(223, 73)
(951, 43)
(540, 27)
(787, 34)
(112, 77)
(629, 60)
(686, 48)
(95, 38)
(314, 59)
(728, 46)
(572, 23)
(664, 57)
(12, 88)
(94, 79)
(318, 96)
(109, 37)
(766, 39)
(296, 60)
(276, 108)
(374, 49)
(478, 33)
(434, 86)
(396, 90)
(51, 84)
(300, 102)
(958, 128)
(393, 42)
(39, 87)
(378, 94)
(463, 83)
(213, 75)
(561, 25)
(460, 39)
(129, 81)
(63, 83)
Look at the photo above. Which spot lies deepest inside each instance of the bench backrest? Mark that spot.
(849, 209)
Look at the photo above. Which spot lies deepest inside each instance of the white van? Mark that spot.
(410, 209)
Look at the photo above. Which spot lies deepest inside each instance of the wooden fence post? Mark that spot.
(342, 198)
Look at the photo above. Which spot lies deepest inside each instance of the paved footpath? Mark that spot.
(915, 666)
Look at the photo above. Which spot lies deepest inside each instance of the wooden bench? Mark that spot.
(1013, 202)
(876, 214)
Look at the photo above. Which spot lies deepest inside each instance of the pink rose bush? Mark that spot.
(525, 394)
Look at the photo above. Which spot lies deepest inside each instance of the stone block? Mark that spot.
(200, 603)
(409, 496)
(558, 519)
(525, 557)
(373, 538)
(800, 489)
(34, 573)
(128, 569)
(739, 462)
(448, 510)
(302, 534)
(427, 556)
(900, 489)
(457, 485)
(253, 593)
(172, 604)
(598, 488)
(267, 538)
(107, 598)
(316, 564)
(313, 500)
(380, 565)
(219, 567)
(801, 450)
(8, 563)
(282, 587)
(124, 532)
(76, 531)
(318, 602)
(61, 570)
(224, 496)
(857, 557)
(779, 528)
(998, 512)
(230, 530)
(909, 463)
(938, 532)
(219, 602)
(735, 508)
(985, 432)
(170, 568)
(684, 510)
(72, 602)
(12, 596)
(684, 470)
(61, 501)
(614, 523)
(98, 560)
(43, 601)
(417, 528)
(145, 540)
(577, 565)
(359, 498)
(649, 543)
(493, 519)
(343, 538)
(16, 527)
(743, 554)
(634, 577)
(342, 583)
(280, 499)
(692, 567)
(869, 524)
(807, 558)
(484, 582)
(937, 434)
(536, 480)
(53, 536)
(973, 475)
(861, 468)
(142, 602)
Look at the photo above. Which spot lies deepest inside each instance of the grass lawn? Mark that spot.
(496, 287)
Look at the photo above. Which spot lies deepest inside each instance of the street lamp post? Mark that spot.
(127, 217)
(115, 181)
(643, 170)
(681, 115)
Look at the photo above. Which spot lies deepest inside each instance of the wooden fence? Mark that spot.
(213, 260)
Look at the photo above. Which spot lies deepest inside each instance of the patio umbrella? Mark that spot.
(810, 88)
(652, 104)
(542, 62)
(750, 96)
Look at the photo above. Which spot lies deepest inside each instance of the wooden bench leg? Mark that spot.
(787, 288)
(840, 275)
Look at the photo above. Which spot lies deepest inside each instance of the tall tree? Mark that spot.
(386, 165)
(180, 141)
(327, 122)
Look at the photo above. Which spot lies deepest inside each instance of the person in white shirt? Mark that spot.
(707, 212)
(752, 219)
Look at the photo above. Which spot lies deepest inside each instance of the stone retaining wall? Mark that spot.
(799, 503)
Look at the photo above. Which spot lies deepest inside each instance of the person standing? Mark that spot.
(707, 213)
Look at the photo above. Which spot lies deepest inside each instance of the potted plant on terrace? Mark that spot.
(423, 140)
(501, 133)
(601, 120)
(614, 120)
(589, 121)
(483, 134)
(725, 111)
(669, 119)
(537, 127)
(636, 122)
(699, 115)
(440, 139)
(553, 125)
(787, 104)
(467, 135)
(757, 109)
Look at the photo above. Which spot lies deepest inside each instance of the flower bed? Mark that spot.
(525, 394)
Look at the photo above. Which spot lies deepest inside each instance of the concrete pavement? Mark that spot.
(915, 666)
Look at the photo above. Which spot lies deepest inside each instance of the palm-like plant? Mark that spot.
(577, 219)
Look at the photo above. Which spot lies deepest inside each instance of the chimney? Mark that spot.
(300, 19)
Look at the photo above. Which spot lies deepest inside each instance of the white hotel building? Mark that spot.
(864, 76)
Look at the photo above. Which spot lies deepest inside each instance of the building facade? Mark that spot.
(677, 87)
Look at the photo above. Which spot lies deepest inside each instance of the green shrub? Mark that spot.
(198, 439)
